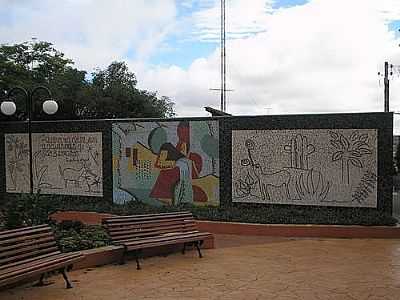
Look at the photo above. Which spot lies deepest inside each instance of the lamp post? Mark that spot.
(8, 108)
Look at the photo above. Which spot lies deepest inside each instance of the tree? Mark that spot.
(111, 93)
(30, 63)
(349, 151)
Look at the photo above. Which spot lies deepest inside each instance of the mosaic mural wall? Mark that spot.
(166, 162)
(324, 167)
(62, 163)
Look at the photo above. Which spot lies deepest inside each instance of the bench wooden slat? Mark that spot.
(32, 259)
(22, 229)
(27, 255)
(24, 243)
(142, 219)
(178, 227)
(180, 240)
(165, 238)
(149, 225)
(25, 237)
(139, 232)
(32, 273)
(28, 249)
(31, 251)
(119, 226)
(155, 227)
(136, 229)
(28, 231)
(56, 259)
(148, 216)
(149, 234)
(27, 263)
(148, 222)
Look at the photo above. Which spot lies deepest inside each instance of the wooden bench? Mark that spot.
(32, 251)
(139, 232)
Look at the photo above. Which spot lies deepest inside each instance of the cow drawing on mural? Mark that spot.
(71, 176)
(84, 175)
(278, 179)
(79, 178)
(290, 175)
(265, 180)
(178, 165)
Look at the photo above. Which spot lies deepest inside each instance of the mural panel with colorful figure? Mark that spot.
(166, 162)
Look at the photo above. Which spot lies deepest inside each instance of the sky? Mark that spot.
(283, 56)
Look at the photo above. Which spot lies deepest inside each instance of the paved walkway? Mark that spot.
(243, 268)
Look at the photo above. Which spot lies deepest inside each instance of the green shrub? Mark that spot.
(27, 210)
(293, 215)
(74, 236)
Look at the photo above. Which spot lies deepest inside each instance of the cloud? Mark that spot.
(92, 32)
(242, 20)
(322, 56)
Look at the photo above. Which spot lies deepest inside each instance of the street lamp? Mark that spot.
(8, 108)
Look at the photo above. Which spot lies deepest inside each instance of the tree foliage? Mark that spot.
(108, 93)
(113, 94)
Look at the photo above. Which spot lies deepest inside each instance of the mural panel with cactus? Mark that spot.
(335, 167)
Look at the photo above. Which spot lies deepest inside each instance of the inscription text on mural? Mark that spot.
(62, 163)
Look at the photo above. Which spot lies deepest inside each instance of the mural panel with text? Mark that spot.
(324, 167)
(62, 163)
(166, 162)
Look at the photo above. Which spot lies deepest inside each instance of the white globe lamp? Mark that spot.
(8, 108)
(50, 107)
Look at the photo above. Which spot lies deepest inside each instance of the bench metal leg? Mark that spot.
(122, 261)
(41, 282)
(137, 252)
(198, 244)
(184, 248)
(64, 274)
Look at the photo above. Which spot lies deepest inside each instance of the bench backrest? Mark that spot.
(26, 244)
(141, 226)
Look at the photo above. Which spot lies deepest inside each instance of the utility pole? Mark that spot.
(386, 74)
(223, 58)
(223, 89)
(386, 83)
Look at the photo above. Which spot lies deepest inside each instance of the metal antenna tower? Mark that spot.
(223, 89)
(223, 57)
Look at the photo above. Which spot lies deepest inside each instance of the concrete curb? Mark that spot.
(293, 230)
(281, 230)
